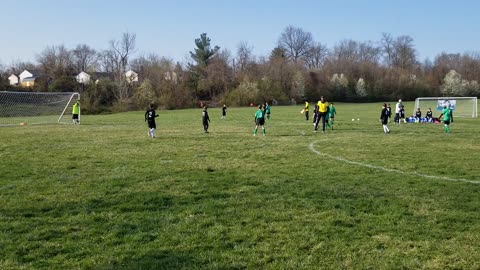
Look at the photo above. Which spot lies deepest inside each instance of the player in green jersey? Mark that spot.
(267, 110)
(259, 120)
(447, 116)
(331, 115)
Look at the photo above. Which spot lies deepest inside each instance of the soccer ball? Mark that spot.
(358, 119)
(353, 119)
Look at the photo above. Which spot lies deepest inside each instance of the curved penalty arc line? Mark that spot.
(311, 147)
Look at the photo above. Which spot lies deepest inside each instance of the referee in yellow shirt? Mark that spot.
(322, 113)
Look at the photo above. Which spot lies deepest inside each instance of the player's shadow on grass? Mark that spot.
(157, 260)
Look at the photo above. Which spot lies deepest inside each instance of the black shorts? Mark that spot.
(446, 122)
(384, 121)
(260, 121)
(75, 116)
(402, 115)
(152, 124)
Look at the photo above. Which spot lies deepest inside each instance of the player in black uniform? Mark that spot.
(429, 115)
(205, 119)
(384, 118)
(402, 114)
(150, 116)
(418, 115)
(224, 111)
(315, 114)
(389, 109)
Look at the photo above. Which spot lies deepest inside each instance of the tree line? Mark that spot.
(298, 68)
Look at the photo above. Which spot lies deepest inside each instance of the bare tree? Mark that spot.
(121, 50)
(295, 42)
(368, 52)
(387, 48)
(115, 60)
(404, 53)
(346, 50)
(107, 61)
(315, 58)
(56, 61)
(85, 57)
(16, 67)
(244, 55)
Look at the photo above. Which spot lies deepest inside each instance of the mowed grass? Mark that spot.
(103, 195)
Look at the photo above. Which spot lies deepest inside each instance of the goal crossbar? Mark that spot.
(462, 106)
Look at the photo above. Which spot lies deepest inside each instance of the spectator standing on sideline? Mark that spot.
(398, 108)
(307, 107)
(224, 111)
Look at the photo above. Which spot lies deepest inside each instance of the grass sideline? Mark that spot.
(103, 195)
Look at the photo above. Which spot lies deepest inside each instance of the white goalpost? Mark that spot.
(22, 108)
(461, 106)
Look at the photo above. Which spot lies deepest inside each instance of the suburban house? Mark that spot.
(171, 76)
(13, 79)
(131, 76)
(25, 79)
(28, 82)
(83, 77)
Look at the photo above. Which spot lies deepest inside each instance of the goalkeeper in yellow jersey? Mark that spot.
(75, 113)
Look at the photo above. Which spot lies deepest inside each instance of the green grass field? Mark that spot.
(103, 195)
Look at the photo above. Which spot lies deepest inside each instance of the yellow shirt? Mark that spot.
(307, 106)
(75, 108)
(322, 107)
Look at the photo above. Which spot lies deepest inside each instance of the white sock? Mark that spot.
(385, 128)
(152, 132)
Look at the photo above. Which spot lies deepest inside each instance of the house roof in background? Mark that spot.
(30, 79)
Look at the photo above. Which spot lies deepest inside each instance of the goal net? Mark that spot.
(22, 108)
(461, 106)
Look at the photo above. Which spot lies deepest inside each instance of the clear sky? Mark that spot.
(168, 28)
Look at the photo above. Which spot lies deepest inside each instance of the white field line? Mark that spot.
(312, 148)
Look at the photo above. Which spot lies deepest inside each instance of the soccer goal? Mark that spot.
(22, 108)
(461, 106)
